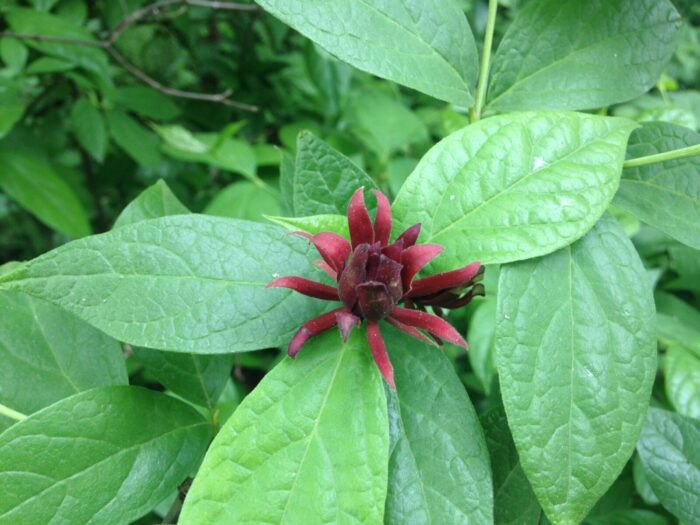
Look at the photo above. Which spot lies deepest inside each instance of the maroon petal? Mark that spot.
(393, 251)
(433, 324)
(306, 287)
(353, 274)
(323, 265)
(378, 349)
(359, 223)
(374, 300)
(415, 258)
(382, 223)
(477, 290)
(388, 272)
(334, 249)
(410, 236)
(311, 328)
(346, 322)
(410, 330)
(441, 281)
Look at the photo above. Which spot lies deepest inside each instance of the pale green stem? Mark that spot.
(690, 151)
(12, 414)
(485, 61)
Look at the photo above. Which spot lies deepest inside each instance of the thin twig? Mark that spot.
(108, 45)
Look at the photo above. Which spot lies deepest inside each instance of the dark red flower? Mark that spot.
(373, 277)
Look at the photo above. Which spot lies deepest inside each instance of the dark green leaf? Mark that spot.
(568, 54)
(641, 483)
(438, 464)
(14, 53)
(677, 322)
(628, 517)
(108, 455)
(514, 186)
(682, 373)
(186, 283)
(308, 445)
(426, 46)
(324, 179)
(482, 351)
(138, 142)
(89, 128)
(514, 501)
(147, 102)
(665, 195)
(35, 185)
(11, 105)
(670, 451)
(576, 356)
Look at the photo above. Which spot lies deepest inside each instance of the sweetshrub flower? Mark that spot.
(373, 277)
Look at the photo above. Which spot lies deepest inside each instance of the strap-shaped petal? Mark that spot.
(354, 274)
(346, 322)
(410, 330)
(334, 249)
(429, 322)
(378, 349)
(306, 287)
(410, 236)
(382, 223)
(359, 223)
(416, 257)
(445, 280)
(311, 328)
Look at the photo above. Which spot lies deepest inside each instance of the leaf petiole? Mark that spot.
(485, 61)
(12, 414)
(690, 151)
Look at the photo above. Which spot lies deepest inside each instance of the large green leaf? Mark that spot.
(514, 501)
(576, 356)
(514, 186)
(670, 451)
(438, 465)
(314, 224)
(682, 373)
(244, 200)
(425, 45)
(324, 179)
(186, 283)
(37, 187)
(568, 54)
(48, 354)
(308, 445)
(154, 202)
(665, 195)
(105, 456)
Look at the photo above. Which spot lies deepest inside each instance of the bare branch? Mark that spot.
(108, 45)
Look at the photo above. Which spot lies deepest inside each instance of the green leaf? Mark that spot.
(665, 195)
(308, 445)
(287, 169)
(678, 323)
(514, 501)
(244, 200)
(682, 373)
(11, 105)
(48, 354)
(482, 351)
(138, 142)
(438, 464)
(629, 517)
(154, 202)
(567, 54)
(383, 124)
(187, 283)
(14, 53)
(324, 179)
(425, 46)
(641, 483)
(314, 224)
(199, 379)
(576, 356)
(208, 148)
(669, 448)
(37, 187)
(147, 102)
(90, 58)
(89, 128)
(515, 186)
(108, 455)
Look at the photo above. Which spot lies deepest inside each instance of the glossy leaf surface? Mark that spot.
(514, 186)
(576, 356)
(308, 445)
